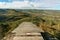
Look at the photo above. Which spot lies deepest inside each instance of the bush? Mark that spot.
(58, 35)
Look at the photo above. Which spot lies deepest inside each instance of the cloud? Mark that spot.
(3, 5)
(13, 4)
(30, 4)
(18, 4)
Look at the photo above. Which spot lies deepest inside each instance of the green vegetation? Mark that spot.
(48, 20)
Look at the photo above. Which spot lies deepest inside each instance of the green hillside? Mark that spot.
(48, 20)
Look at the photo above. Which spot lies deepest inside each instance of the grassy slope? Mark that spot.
(14, 17)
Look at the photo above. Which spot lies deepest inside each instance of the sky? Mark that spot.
(30, 4)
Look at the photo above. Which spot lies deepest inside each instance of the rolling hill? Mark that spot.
(11, 18)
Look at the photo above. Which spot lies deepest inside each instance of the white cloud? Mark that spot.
(19, 4)
(3, 5)
(16, 4)
(28, 4)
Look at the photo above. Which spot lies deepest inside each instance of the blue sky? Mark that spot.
(4, 0)
(44, 4)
